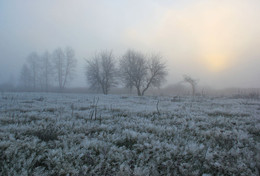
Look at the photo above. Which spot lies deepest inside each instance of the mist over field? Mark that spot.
(130, 88)
(215, 42)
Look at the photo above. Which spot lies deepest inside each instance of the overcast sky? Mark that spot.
(215, 41)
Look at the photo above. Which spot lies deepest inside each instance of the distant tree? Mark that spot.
(26, 77)
(46, 70)
(33, 61)
(64, 65)
(142, 72)
(101, 71)
(192, 82)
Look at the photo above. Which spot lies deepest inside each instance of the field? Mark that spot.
(81, 134)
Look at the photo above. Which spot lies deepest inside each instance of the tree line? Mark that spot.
(134, 70)
(41, 72)
(103, 71)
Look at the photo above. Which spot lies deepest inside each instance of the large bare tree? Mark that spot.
(64, 65)
(142, 72)
(101, 71)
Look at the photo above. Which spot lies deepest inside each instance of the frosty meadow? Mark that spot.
(130, 88)
(85, 134)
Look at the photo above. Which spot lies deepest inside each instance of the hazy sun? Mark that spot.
(214, 34)
(216, 62)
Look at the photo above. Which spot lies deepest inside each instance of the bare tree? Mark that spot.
(101, 71)
(133, 69)
(33, 61)
(156, 72)
(26, 77)
(192, 82)
(58, 61)
(142, 72)
(64, 65)
(46, 70)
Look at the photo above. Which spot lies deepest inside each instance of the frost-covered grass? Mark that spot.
(70, 134)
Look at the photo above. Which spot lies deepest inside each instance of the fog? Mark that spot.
(216, 42)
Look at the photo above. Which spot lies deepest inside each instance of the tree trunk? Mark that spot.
(139, 91)
(193, 90)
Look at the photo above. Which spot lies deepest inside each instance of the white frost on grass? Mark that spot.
(54, 134)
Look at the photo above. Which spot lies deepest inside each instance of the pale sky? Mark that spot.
(215, 41)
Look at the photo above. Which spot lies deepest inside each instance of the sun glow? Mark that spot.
(216, 62)
(212, 37)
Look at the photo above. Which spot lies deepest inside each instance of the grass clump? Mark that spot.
(127, 142)
(49, 133)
